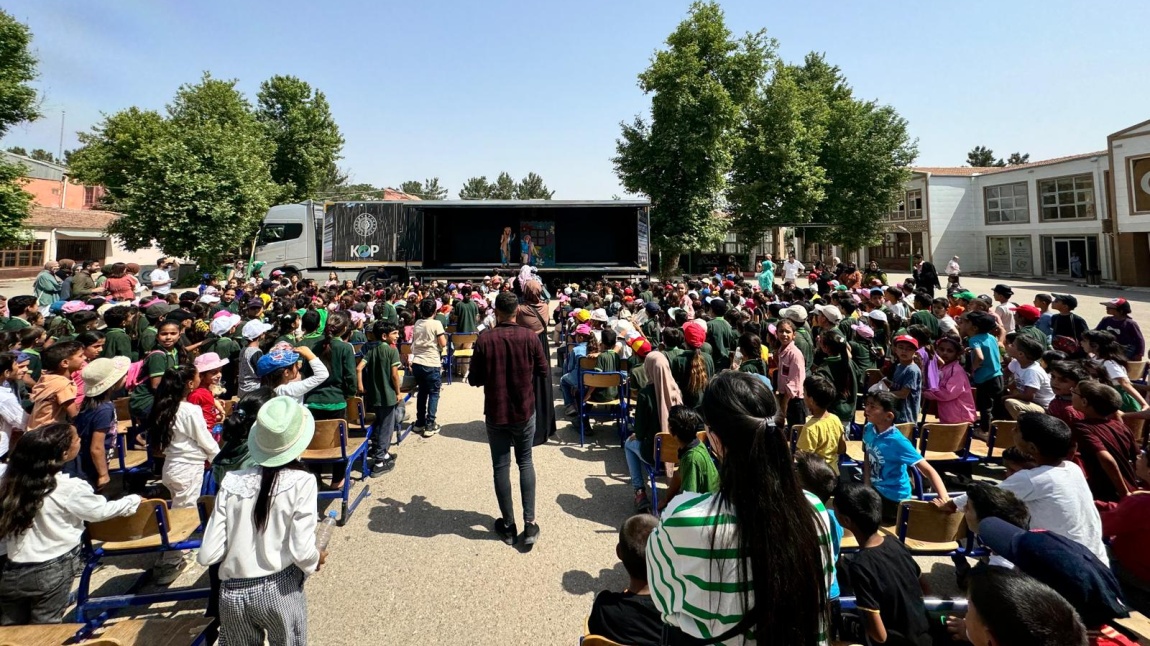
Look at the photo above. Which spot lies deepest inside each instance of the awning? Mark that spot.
(80, 233)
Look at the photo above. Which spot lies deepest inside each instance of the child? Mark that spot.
(816, 477)
(208, 366)
(262, 532)
(253, 333)
(13, 418)
(835, 365)
(380, 382)
(234, 452)
(1105, 446)
(117, 343)
(569, 382)
(889, 453)
(606, 361)
(629, 617)
(884, 576)
(1030, 389)
(754, 355)
(1003, 308)
(953, 395)
(985, 364)
(946, 323)
(792, 373)
(45, 516)
(177, 429)
(163, 356)
(279, 371)
(32, 342)
(96, 422)
(54, 396)
(823, 433)
(696, 472)
(906, 382)
(1064, 377)
(1103, 348)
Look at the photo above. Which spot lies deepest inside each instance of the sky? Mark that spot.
(455, 89)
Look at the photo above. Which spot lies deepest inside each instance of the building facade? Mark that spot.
(1078, 217)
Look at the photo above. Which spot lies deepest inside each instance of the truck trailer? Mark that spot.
(456, 239)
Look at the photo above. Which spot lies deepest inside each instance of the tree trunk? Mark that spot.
(669, 263)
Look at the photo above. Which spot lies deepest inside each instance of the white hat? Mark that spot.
(103, 373)
(830, 312)
(599, 315)
(210, 299)
(221, 325)
(254, 328)
(877, 315)
(282, 432)
(796, 313)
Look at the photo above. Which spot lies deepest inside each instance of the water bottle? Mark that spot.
(217, 432)
(323, 532)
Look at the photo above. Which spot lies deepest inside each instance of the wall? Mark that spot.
(52, 194)
(953, 227)
(1125, 146)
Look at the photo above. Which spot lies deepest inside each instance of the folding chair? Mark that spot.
(1001, 438)
(927, 530)
(357, 416)
(130, 460)
(331, 445)
(946, 443)
(615, 409)
(666, 452)
(460, 354)
(152, 529)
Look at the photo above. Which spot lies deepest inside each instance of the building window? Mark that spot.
(1067, 198)
(914, 205)
(29, 255)
(89, 197)
(1007, 204)
(899, 213)
(731, 244)
(1069, 256)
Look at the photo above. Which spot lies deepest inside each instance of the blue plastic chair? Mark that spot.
(615, 409)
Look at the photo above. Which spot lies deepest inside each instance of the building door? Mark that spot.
(1010, 255)
(1070, 256)
(81, 250)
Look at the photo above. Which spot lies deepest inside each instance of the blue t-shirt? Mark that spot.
(889, 454)
(87, 422)
(836, 548)
(991, 363)
(908, 376)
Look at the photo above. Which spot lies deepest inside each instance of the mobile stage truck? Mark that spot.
(456, 239)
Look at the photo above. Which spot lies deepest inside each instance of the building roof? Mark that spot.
(971, 171)
(396, 194)
(35, 168)
(43, 217)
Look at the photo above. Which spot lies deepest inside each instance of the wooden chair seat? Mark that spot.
(464, 354)
(38, 635)
(134, 458)
(123, 426)
(980, 449)
(848, 542)
(855, 450)
(182, 523)
(588, 363)
(941, 456)
(613, 402)
(176, 631)
(334, 453)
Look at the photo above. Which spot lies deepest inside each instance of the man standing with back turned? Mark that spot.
(506, 361)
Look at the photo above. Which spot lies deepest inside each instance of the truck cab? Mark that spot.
(287, 238)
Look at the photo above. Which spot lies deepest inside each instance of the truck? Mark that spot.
(455, 239)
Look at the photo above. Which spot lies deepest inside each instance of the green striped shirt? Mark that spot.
(697, 588)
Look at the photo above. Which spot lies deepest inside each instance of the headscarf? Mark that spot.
(667, 392)
(532, 291)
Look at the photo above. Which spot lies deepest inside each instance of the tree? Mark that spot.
(298, 121)
(18, 150)
(475, 188)
(428, 190)
(679, 156)
(503, 188)
(1017, 159)
(411, 187)
(39, 154)
(195, 181)
(18, 103)
(532, 188)
(983, 157)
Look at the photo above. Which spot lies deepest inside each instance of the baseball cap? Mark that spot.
(221, 325)
(906, 338)
(582, 315)
(965, 295)
(877, 315)
(583, 329)
(642, 347)
(281, 356)
(1028, 312)
(179, 315)
(796, 313)
(1065, 565)
(1070, 301)
(1117, 303)
(1003, 289)
(830, 312)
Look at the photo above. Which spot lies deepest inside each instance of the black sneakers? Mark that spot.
(383, 466)
(530, 533)
(508, 534)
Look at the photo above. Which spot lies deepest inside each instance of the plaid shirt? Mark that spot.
(506, 361)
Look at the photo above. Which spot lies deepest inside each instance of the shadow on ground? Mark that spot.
(578, 582)
(471, 431)
(607, 504)
(423, 519)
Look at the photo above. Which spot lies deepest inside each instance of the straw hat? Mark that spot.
(282, 432)
(101, 374)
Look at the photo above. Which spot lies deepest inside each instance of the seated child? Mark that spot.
(629, 617)
(54, 396)
(889, 454)
(1030, 390)
(822, 435)
(883, 575)
(816, 477)
(1106, 447)
(696, 472)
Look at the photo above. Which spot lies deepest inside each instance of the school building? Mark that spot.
(64, 223)
(1085, 216)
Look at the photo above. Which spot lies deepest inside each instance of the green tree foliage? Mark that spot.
(195, 181)
(39, 154)
(411, 187)
(298, 121)
(1017, 159)
(18, 150)
(475, 188)
(18, 103)
(428, 190)
(680, 155)
(532, 188)
(983, 157)
(503, 188)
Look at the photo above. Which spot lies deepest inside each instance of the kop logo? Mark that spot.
(364, 250)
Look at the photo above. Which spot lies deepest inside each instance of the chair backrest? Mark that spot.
(666, 448)
(873, 376)
(945, 438)
(602, 379)
(1136, 370)
(1003, 433)
(907, 429)
(205, 505)
(929, 524)
(355, 409)
(405, 349)
(588, 363)
(123, 412)
(327, 434)
(625, 365)
(464, 337)
(450, 329)
(141, 524)
(598, 640)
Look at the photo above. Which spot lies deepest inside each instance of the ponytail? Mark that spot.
(697, 378)
(268, 477)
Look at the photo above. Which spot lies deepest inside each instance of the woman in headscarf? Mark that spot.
(767, 278)
(533, 315)
(651, 410)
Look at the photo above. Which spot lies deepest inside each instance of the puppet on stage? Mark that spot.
(505, 247)
(527, 251)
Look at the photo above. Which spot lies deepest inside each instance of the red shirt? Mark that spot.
(204, 398)
(1127, 526)
(506, 361)
(1094, 436)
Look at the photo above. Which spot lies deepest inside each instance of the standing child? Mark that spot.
(13, 418)
(380, 382)
(906, 382)
(162, 357)
(953, 395)
(253, 333)
(44, 515)
(279, 371)
(209, 366)
(823, 433)
(889, 454)
(117, 343)
(836, 367)
(986, 365)
(96, 423)
(792, 372)
(177, 430)
(262, 532)
(696, 472)
(54, 396)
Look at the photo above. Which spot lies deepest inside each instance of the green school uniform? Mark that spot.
(155, 365)
(117, 344)
(341, 382)
(378, 386)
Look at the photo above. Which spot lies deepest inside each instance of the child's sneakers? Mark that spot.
(508, 534)
(383, 466)
(642, 503)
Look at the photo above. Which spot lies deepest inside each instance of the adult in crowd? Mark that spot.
(953, 271)
(1118, 322)
(532, 314)
(925, 275)
(161, 279)
(774, 582)
(84, 283)
(47, 285)
(508, 359)
(767, 277)
(120, 286)
(652, 408)
(791, 269)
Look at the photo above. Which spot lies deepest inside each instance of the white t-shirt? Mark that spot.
(791, 269)
(161, 276)
(948, 325)
(1059, 501)
(191, 441)
(59, 523)
(1005, 316)
(424, 346)
(1033, 376)
(1115, 372)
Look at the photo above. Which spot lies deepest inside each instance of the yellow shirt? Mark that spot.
(821, 436)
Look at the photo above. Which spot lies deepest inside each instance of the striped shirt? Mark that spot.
(696, 588)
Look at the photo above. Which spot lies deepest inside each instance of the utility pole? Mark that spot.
(60, 151)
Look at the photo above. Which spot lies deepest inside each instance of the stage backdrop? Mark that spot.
(542, 234)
